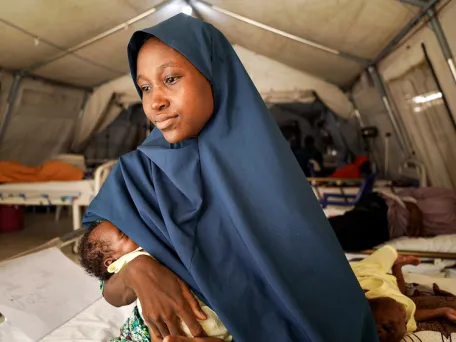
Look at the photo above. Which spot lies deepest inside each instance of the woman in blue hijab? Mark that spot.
(216, 196)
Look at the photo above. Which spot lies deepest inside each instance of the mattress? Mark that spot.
(438, 244)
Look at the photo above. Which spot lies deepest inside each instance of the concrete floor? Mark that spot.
(38, 229)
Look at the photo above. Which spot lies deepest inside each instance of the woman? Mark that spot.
(379, 217)
(216, 196)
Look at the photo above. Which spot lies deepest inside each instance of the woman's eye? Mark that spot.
(171, 79)
(145, 89)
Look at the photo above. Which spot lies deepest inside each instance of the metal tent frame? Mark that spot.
(427, 8)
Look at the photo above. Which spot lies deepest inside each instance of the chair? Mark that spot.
(348, 200)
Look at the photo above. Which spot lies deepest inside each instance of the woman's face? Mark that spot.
(176, 97)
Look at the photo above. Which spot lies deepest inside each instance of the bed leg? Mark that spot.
(76, 222)
(58, 211)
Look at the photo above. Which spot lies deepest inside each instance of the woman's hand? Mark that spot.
(165, 298)
(189, 339)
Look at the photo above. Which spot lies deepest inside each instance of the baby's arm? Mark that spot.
(422, 315)
(116, 292)
(397, 269)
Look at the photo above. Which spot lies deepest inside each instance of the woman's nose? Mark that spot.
(160, 102)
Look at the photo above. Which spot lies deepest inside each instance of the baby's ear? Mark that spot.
(108, 261)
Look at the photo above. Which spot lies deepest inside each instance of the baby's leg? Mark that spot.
(433, 302)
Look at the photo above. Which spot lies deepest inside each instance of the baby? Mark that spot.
(105, 250)
(395, 313)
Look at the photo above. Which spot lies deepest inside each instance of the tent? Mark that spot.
(64, 67)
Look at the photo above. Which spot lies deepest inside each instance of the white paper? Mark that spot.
(41, 291)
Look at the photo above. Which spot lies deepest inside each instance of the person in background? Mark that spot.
(380, 217)
(312, 155)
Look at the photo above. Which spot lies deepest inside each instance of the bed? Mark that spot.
(439, 247)
(75, 194)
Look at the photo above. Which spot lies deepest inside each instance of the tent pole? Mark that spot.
(307, 42)
(443, 42)
(10, 104)
(379, 84)
(403, 33)
(438, 31)
(99, 37)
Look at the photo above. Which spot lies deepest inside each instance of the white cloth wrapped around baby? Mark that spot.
(213, 326)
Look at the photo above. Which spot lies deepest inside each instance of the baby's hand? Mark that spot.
(407, 260)
(449, 314)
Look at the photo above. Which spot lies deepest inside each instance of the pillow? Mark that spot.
(428, 336)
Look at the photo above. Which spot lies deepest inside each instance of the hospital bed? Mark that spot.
(95, 320)
(437, 248)
(74, 194)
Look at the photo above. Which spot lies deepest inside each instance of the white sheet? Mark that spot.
(43, 290)
(99, 322)
(439, 244)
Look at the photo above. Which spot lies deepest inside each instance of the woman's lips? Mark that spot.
(165, 123)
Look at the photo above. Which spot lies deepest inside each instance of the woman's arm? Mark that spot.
(165, 298)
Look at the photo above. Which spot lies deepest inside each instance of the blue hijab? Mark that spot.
(232, 213)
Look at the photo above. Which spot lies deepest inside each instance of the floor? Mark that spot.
(38, 228)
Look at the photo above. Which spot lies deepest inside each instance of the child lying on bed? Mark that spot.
(395, 313)
(105, 250)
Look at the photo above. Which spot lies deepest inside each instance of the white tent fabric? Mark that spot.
(42, 122)
(268, 76)
(35, 33)
(6, 81)
(408, 56)
(101, 110)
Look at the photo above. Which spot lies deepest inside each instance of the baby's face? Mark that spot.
(390, 320)
(117, 241)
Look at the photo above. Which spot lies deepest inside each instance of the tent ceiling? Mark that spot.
(359, 27)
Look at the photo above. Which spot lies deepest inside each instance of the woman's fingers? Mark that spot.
(175, 326)
(192, 301)
(192, 323)
(189, 339)
(163, 328)
(155, 338)
(154, 331)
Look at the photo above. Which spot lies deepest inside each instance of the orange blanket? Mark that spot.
(53, 170)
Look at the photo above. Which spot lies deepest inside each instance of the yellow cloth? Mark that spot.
(372, 274)
(213, 326)
(53, 170)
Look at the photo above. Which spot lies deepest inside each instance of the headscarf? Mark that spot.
(231, 212)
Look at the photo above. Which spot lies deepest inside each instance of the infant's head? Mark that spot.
(390, 319)
(103, 244)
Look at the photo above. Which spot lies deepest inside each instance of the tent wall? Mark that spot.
(267, 75)
(401, 62)
(272, 76)
(373, 113)
(410, 54)
(42, 122)
(123, 135)
(6, 80)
